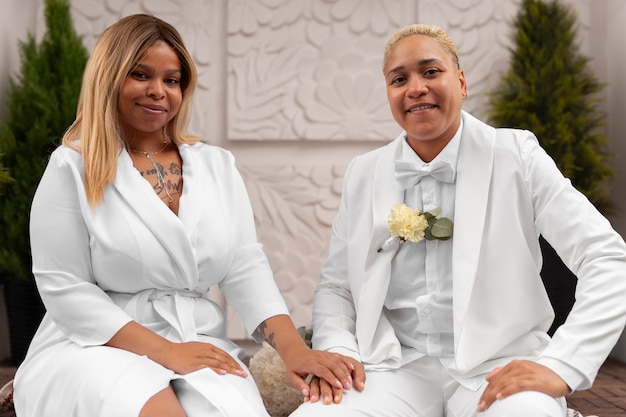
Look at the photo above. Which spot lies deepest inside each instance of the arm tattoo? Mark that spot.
(269, 338)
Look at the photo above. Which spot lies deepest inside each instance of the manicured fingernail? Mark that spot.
(305, 392)
(481, 406)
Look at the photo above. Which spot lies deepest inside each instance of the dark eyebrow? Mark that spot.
(420, 63)
(150, 68)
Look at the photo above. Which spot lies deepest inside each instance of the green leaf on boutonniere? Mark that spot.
(440, 229)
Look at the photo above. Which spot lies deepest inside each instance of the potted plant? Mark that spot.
(550, 90)
(41, 105)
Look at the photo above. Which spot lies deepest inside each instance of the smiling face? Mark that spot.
(425, 90)
(151, 95)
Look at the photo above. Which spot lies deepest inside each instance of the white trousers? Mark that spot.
(423, 388)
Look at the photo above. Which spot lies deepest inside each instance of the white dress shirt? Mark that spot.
(419, 300)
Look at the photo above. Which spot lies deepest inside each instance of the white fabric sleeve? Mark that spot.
(249, 286)
(61, 256)
(594, 252)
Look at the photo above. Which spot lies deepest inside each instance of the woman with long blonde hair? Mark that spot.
(134, 219)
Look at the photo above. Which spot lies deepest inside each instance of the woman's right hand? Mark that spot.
(181, 358)
(187, 357)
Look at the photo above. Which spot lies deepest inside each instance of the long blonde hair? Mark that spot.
(97, 132)
(422, 29)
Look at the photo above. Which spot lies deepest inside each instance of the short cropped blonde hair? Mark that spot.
(422, 29)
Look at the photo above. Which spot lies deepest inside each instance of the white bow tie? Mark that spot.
(409, 174)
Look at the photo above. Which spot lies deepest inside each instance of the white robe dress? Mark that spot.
(131, 258)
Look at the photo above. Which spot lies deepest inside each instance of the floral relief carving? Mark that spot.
(314, 74)
(294, 207)
(341, 94)
(246, 16)
(374, 16)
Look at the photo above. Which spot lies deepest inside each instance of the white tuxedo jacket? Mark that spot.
(508, 192)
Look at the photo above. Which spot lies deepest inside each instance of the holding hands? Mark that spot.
(331, 372)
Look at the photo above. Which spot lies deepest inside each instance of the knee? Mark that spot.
(527, 403)
(164, 403)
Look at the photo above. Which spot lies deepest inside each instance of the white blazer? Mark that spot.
(131, 258)
(508, 192)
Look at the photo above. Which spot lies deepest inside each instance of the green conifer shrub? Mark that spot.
(550, 90)
(41, 105)
(4, 173)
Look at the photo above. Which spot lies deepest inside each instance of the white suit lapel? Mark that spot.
(386, 192)
(377, 340)
(474, 170)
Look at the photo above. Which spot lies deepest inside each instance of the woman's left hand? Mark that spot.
(332, 373)
(339, 371)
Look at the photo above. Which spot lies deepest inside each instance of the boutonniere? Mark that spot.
(408, 225)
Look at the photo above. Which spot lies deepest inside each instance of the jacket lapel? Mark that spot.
(194, 199)
(377, 340)
(474, 170)
(164, 224)
(386, 192)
